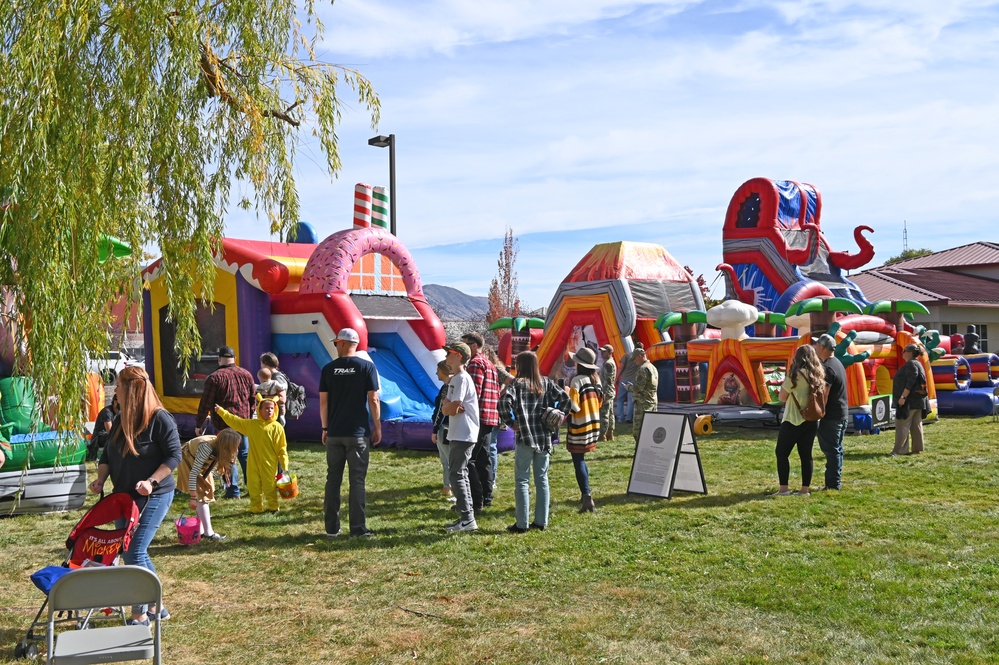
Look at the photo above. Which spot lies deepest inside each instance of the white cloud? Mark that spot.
(603, 121)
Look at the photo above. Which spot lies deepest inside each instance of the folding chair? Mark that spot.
(105, 586)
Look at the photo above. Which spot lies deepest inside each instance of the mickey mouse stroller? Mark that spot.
(90, 543)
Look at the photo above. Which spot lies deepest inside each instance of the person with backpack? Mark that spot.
(908, 391)
(804, 388)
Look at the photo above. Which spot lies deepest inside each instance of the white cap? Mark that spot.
(348, 335)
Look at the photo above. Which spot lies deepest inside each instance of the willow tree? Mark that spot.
(133, 120)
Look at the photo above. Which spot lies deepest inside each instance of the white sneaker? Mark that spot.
(470, 525)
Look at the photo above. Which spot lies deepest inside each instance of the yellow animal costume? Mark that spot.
(268, 447)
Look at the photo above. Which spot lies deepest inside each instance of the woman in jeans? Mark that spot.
(521, 407)
(805, 376)
(142, 452)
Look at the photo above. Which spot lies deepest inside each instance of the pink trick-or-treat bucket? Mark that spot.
(188, 530)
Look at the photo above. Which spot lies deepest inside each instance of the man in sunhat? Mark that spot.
(832, 427)
(346, 385)
(608, 379)
(231, 387)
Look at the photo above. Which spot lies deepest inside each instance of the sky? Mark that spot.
(579, 122)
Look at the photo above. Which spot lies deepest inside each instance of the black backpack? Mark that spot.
(296, 403)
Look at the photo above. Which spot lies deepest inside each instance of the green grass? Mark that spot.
(899, 567)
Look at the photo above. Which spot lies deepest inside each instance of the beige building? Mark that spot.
(959, 286)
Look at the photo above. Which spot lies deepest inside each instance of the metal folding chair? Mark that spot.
(105, 586)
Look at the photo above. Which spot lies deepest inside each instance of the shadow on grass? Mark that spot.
(689, 500)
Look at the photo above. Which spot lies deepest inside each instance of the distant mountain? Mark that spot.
(453, 305)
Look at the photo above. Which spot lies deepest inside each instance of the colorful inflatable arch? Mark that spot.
(614, 296)
(291, 299)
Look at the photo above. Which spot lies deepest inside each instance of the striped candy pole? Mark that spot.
(379, 208)
(362, 206)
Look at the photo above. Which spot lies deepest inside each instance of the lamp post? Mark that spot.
(389, 142)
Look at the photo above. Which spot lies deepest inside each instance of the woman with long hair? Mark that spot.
(142, 452)
(522, 407)
(585, 396)
(805, 376)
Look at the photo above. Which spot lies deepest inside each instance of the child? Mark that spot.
(462, 406)
(439, 420)
(268, 449)
(200, 457)
(272, 384)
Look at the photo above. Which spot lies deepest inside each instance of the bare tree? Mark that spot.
(503, 298)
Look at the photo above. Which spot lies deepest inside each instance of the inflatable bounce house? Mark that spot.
(967, 380)
(41, 470)
(291, 298)
(614, 296)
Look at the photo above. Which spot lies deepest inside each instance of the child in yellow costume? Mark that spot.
(268, 448)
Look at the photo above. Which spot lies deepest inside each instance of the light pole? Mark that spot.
(382, 142)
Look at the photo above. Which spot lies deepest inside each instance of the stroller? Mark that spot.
(90, 543)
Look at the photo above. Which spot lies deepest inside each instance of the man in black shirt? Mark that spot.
(832, 427)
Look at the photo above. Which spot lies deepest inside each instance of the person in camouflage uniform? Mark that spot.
(608, 379)
(644, 389)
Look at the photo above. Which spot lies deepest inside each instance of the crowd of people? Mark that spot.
(478, 397)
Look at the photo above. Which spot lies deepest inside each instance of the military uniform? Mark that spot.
(644, 392)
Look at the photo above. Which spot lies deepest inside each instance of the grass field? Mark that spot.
(900, 567)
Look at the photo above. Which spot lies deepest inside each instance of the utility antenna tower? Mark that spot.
(905, 237)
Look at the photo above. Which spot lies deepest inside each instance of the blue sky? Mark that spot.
(577, 122)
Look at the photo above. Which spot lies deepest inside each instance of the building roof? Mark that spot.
(927, 286)
(965, 256)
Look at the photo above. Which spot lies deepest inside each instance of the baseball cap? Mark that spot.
(461, 349)
(825, 341)
(226, 352)
(608, 348)
(348, 335)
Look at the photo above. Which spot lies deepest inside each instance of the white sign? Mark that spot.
(666, 457)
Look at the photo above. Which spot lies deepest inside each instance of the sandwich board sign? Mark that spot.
(666, 457)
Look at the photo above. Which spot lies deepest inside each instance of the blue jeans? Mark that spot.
(620, 404)
(526, 458)
(494, 452)
(582, 473)
(353, 452)
(242, 454)
(150, 519)
(830, 436)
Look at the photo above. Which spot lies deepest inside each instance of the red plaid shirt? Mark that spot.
(231, 387)
(486, 381)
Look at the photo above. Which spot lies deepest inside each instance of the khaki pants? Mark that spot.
(904, 427)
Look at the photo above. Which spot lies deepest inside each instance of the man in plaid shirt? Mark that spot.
(486, 380)
(231, 387)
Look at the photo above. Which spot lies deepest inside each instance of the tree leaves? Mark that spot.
(131, 121)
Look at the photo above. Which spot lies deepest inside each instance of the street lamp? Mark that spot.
(389, 142)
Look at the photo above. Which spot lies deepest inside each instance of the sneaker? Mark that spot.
(332, 535)
(470, 525)
(487, 503)
(539, 527)
(782, 493)
(215, 536)
(452, 499)
(366, 533)
(804, 494)
(451, 524)
(513, 528)
(136, 622)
